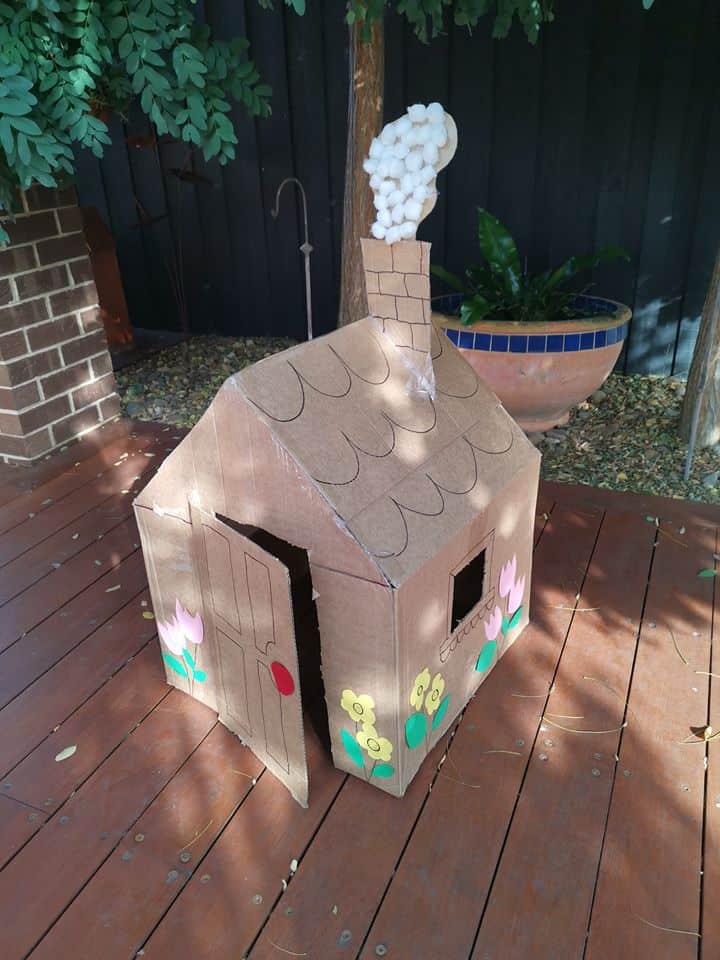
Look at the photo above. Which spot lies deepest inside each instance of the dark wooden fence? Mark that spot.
(606, 131)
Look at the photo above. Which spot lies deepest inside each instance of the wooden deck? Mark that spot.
(563, 817)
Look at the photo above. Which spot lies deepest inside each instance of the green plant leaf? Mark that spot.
(415, 729)
(576, 265)
(187, 657)
(200, 676)
(449, 278)
(474, 310)
(177, 665)
(707, 573)
(440, 712)
(352, 748)
(383, 770)
(486, 657)
(515, 619)
(499, 250)
(505, 625)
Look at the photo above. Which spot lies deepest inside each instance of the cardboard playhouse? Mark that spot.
(358, 508)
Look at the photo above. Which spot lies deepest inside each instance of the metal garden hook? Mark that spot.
(305, 248)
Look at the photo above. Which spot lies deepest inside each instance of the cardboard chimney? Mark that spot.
(358, 509)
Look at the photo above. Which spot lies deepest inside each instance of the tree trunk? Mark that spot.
(702, 397)
(365, 113)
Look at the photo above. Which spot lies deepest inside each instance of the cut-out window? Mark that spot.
(468, 588)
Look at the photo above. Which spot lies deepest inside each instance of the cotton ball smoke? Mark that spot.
(403, 162)
(398, 213)
(412, 210)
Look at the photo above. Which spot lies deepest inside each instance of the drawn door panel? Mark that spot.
(249, 627)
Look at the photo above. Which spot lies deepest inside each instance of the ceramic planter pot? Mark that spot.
(540, 370)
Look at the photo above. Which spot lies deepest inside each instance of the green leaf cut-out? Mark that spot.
(383, 770)
(707, 573)
(415, 729)
(187, 657)
(177, 665)
(200, 676)
(515, 618)
(487, 655)
(352, 748)
(505, 626)
(440, 712)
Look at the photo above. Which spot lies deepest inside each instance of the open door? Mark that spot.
(250, 636)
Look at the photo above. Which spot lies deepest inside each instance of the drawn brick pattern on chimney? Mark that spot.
(56, 377)
(397, 280)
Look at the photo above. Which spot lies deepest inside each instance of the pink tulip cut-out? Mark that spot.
(515, 596)
(493, 625)
(507, 576)
(182, 630)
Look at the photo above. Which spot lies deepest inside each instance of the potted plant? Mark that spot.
(542, 348)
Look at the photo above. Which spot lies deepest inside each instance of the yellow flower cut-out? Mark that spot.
(361, 708)
(432, 701)
(379, 748)
(422, 682)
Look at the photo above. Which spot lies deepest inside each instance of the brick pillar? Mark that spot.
(397, 278)
(56, 379)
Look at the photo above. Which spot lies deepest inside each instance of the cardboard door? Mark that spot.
(249, 629)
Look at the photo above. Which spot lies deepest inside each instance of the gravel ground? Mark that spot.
(624, 438)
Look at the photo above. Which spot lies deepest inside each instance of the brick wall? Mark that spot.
(56, 378)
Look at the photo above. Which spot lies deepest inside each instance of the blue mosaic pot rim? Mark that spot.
(552, 337)
(593, 307)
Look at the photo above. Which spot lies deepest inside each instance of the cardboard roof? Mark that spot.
(403, 470)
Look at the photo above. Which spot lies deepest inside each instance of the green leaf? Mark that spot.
(15, 107)
(440, 712)
(187, 657)
(499, 250)
(515, 618)
(352, 748)
(576, 265)
(487, 655)
(125, 46)
(415, 729)
(200, 676)
(647, 4)
(474, 310)
(707, 573)
(505, 626)
(177, 665)
(449, 278)
(383, 770)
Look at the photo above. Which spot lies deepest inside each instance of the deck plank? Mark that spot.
(37, 651)
(649, 874)
(539, 902)
(54, 591)
(63, 545)
(95, 729)
(19, 478)
(710, 916)
(18, 823)
(54, 696)
(118, 909)
(476, 792)
(64, 514)
(54, 491)
(247, 866)
(59, 860)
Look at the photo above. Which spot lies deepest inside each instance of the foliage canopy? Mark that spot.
(64, 64)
